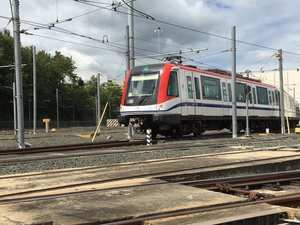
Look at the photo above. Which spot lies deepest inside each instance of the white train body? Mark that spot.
(178, 99)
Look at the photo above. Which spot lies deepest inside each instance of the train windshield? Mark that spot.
(142, 85)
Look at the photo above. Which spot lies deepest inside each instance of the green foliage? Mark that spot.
(76, 98)
(109, 92)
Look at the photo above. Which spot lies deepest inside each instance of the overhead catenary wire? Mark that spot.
(65, 31)
(82, 44)
(138, 11)
(76, 43)
(156, 20)
(203, 63)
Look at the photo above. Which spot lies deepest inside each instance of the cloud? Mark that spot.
(257, 21)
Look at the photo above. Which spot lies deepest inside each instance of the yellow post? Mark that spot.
(46, 121)
(98, 127)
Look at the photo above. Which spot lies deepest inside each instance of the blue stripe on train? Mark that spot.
(198, 104)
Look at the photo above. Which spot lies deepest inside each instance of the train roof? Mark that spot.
(224, 73)
(151, 68)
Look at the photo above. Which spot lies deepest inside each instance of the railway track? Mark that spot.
(114, 144)
(212, 184)
(164, 177)
(182, 212)
(72, 147)
(234, 185)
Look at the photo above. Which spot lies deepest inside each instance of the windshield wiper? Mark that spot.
(142, 99)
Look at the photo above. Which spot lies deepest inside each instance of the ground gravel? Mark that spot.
(196, 147)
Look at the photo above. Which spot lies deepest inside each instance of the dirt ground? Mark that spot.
(63, 136)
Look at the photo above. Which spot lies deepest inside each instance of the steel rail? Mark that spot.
(71, 147)
(208, 184)
(97, 146)
(182, 212)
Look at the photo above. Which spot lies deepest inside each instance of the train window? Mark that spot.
(262, 96)
(224, 90)
(274, 99)
(189, 87)
(173, 84)
(270, 97)
(254, 95)
(277, 97)
(142, 85)
(197, 87)
(229, 92)
(250, 95)
(240, 92)
(211, 88)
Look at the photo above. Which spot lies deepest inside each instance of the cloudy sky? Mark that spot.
(273, 23)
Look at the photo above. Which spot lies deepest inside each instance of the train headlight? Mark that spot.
(130, 101)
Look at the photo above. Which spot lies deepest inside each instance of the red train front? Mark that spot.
(147, 89)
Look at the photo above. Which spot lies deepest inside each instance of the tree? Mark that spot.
(76, 98)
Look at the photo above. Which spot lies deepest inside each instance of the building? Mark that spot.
(291, 80)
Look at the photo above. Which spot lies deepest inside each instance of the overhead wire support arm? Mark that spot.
(180, 52)
(147, 16)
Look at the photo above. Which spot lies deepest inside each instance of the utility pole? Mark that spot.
(57, 109)
(96, 108)
(34, 88)
(18, 71)
(131, 34)
(15, 108)
(233, 83)
(98, 98)
(279, 55)
(128, 48)
(248, 95)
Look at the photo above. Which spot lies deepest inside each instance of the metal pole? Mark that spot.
(128, 48)
(281, 92)
(57, 109)
(233, 82)
(294, 95)
(34, 88)
(96, 108)
(131, 33)
(18, 71)
(15, 108)
(247, 116)
(98, 97)
(29, 111)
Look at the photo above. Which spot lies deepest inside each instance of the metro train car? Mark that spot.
(174, 99)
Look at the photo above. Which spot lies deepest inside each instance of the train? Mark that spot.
(174, 99)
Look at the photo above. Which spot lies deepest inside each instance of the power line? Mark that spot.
(52, 27)
(65, 31)
(38, 26)
(180, 52)
(203, 63)
(155, 20)
(147, 16)
(72, 42)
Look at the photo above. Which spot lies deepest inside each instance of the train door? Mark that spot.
(197, 96)
(178, 78)
(226, 100)
(188, 100)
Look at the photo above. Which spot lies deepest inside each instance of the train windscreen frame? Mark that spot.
(142, 89)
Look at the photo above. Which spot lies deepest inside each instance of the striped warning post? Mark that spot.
(148, 137)
(111, 123)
